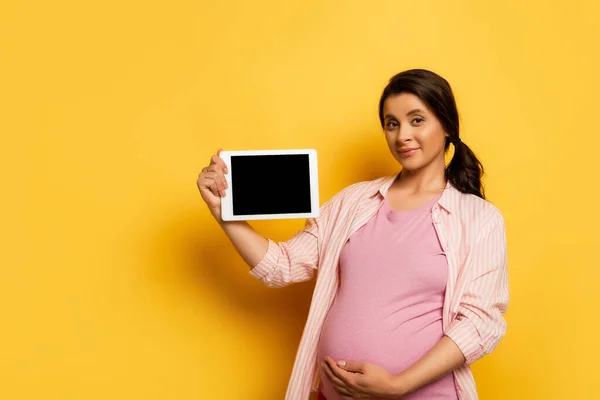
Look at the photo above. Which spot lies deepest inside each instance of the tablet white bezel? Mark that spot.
(227, 201)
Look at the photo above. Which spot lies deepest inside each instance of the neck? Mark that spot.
(430, 178)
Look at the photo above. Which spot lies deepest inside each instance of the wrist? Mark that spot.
(216, 214)
(218, 218)
(399, 387)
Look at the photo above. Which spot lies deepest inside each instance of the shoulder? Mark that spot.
(338, 212)
(352, 195)
(479, 213)
(359, 190)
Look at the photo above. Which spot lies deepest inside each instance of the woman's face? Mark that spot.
(414, 135)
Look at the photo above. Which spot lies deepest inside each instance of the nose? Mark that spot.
(404, 134)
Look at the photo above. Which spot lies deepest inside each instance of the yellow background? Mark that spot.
(115, 281)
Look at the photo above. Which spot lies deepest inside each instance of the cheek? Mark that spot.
(390, 138)
(431, 139)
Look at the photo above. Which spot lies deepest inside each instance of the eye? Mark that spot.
(392, 125)
(417, 120)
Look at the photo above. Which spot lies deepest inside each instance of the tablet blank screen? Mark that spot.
(270, 184)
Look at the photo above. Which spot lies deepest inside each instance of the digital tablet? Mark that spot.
(270, 184)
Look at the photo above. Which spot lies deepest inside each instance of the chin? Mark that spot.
(410, 165)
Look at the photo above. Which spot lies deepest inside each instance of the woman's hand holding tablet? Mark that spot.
(212, 184)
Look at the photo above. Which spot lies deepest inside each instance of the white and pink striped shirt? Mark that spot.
(471, 232)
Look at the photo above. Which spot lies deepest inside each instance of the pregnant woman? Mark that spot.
(411, 269)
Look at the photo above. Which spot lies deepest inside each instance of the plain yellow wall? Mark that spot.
(115, 281)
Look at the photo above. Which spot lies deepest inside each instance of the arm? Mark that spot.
(250, 245)
(274, 264)
(292, 261)
(442, 359)
(479, 324)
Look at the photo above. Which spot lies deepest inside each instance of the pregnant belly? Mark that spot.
(387, 340)
(391, 341)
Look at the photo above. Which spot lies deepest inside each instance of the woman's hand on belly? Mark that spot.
(357, 380)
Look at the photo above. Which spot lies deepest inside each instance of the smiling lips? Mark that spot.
(407, 152)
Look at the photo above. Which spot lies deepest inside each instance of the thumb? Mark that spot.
(351, 366)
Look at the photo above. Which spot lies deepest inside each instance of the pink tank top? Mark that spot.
(388, 308)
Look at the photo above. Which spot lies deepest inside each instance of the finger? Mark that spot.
(212, 175)
(351, 366)
(215, 168)
(213, 181)
(217, 175)
(337, 382)
(337, 371)
(343, 392)
(209, 184)
(215, 190)
(219, 161)
(221, 180)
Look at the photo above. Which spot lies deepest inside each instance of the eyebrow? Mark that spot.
(411, 112)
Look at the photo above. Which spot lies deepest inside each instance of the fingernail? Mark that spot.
(342, 363)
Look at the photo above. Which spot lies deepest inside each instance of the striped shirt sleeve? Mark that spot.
(292, 261)
(480, 324)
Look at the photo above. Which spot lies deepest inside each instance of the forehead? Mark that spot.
(401, 104)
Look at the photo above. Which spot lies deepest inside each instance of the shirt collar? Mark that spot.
(447, 200)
